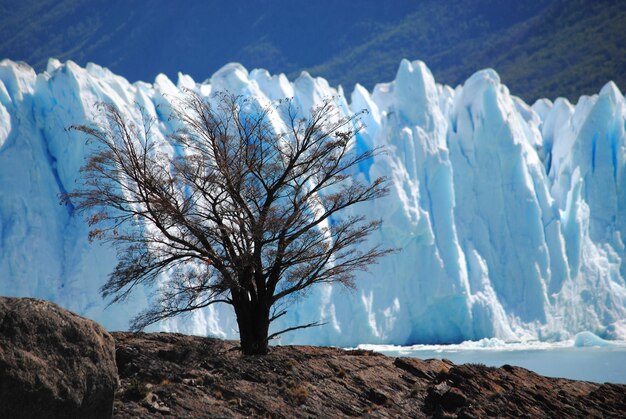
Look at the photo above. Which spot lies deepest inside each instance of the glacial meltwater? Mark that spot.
(598, 361)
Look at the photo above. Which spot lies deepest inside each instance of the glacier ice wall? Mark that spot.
(511, 218)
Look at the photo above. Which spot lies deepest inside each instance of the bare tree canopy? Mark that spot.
(248, 213)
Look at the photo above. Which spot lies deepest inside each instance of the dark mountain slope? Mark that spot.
(544, 49)
(570, 50)
(140, 39)
(540, 47)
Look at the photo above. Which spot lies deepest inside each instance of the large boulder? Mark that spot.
(53, 363)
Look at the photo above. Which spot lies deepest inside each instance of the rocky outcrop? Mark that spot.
(184, 376)
(53, 363)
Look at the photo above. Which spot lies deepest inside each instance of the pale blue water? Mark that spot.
(598, 364)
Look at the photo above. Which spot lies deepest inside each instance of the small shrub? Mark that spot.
(370, 409)
(443, 369)
(137, 389)
(362, 352)
(298, 394)
(496, 390)
(280, 383)
(291, 364)
(476, 364)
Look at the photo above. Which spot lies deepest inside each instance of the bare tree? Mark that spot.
(247, 213)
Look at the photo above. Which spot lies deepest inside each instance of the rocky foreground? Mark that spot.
(55, 364)
(184, 376)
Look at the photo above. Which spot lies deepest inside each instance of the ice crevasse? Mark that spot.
(511, 218)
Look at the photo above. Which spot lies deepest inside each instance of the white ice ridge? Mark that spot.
(511, 218)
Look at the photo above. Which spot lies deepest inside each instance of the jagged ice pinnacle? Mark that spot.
(511, 218)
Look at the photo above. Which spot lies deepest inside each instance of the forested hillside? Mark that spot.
(541, 48)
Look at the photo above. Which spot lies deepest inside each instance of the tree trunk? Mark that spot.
(253, 321)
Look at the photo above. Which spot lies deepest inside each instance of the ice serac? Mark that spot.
(510, 218)
(504, 210)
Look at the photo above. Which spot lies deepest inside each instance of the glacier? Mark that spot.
(511, 218)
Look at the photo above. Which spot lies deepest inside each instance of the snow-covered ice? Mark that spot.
(584, 357)
(510, 217)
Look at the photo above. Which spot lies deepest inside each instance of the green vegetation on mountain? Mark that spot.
(567, 51)
(565, 48)
(540, 48)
